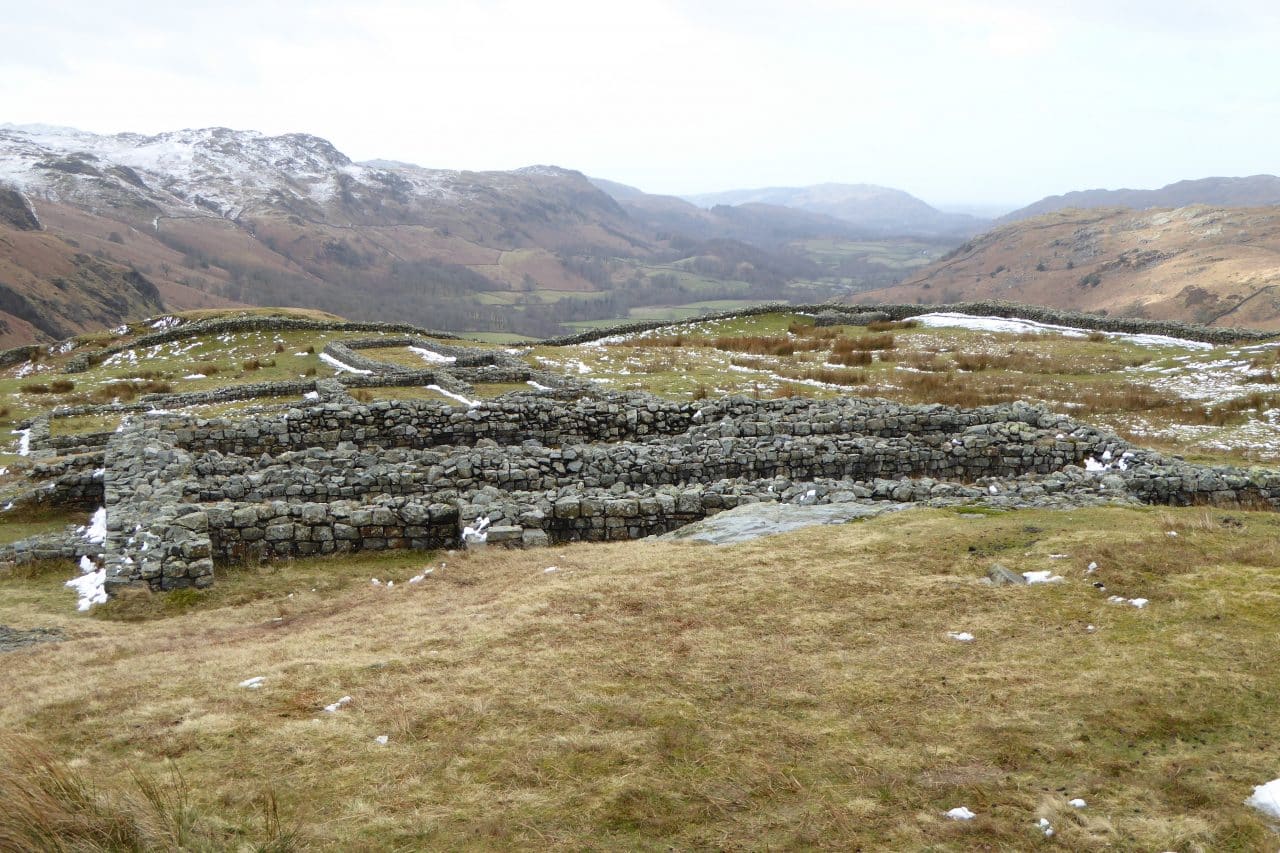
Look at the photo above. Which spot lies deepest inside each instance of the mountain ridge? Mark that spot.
(877, 209)
(1251, 191)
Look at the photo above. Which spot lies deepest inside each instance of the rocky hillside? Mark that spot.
(871, 209)
(1211, 265)
(1255, 191)
(216, 217)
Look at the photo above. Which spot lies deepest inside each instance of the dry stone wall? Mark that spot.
(568, 463)
(182, 492)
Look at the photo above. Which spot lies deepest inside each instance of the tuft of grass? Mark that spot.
(47, 805)
(892, 325)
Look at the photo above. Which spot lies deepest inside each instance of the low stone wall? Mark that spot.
(68, 546)
(252, 532)
(154, 538)
(226, 325)
(900, 311)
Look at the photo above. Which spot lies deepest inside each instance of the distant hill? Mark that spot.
(756, 223)
(874, 210)
(1212, 265)
(1254, 191)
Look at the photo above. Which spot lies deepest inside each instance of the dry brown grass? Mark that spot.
(124, 391)
(863, 342)
(892, 325)
(792, 693)
(831, 376)
(853, 358)
(47, 805)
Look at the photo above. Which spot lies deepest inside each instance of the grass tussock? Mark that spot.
(809, 330)
(863, 342)
(47, 805)
(124, 391)
(852, 358)
(776, 345)
(827, 375)
(892, 325)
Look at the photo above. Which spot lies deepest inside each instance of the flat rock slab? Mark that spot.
(12, 638)
(751, 521)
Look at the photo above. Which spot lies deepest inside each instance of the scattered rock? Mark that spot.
(14, 638)
(1000, 575)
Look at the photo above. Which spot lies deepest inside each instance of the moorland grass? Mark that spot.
(795, 692)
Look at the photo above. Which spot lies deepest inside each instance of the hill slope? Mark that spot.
(1255, 191)
(875, 210)
(1216, 266)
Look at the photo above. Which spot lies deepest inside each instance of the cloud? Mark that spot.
(957, 99)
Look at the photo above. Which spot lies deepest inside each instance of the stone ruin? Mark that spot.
(563, 462)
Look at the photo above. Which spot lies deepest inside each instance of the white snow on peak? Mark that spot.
(544, 171)
(218, 172)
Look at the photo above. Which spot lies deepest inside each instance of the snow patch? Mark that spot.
(341, 367)
(24, 441)
(96, 532)
(89, 586)
(1042, 577)
(1010, 325)
(253, 683)
(960, 636)
(432, 356)
(1266, 799)
(961, 813)
(475, 534)
(471, 404)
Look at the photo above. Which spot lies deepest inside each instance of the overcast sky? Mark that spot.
(956, 101)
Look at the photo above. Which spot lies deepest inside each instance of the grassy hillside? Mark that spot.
(794, 692)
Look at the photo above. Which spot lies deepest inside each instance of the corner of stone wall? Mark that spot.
(154, 538)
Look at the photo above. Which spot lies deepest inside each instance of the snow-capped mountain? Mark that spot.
(215, 217)
(232, 173)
